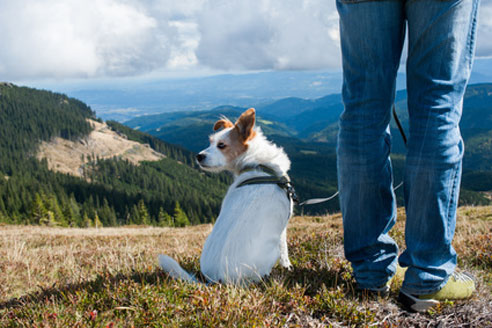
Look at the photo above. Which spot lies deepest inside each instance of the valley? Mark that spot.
(307, 129)
(61, 165)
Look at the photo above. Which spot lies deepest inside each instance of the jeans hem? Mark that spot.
(417, 291)
(375, 286)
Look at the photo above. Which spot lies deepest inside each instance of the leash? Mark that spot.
(402, 133)
(313, 201)
(400, 128)
(285, 183)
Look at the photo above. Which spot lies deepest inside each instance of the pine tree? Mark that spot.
(2, 205)
(3, 218)
(49, 220)
(107, 214)
(31, 116)
(71, 212)
(180, 217)
(39, 213)
(54, 207)
(135, 216)
(87, 223)
(143, 213)
(97, 221)
(164, 219)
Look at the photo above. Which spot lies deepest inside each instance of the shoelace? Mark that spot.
(462, 276)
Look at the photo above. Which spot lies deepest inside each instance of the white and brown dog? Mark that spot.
(249, 235)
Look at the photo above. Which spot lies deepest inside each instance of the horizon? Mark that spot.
(146, 57)
(251, 89)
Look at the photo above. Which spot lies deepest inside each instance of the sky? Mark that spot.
(125, 39)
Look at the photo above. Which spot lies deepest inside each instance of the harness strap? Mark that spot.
(264, 180)
(281, 181)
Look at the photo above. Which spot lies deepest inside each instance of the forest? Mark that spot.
(169, 192)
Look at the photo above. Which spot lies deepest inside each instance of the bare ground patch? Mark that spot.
(70, 157)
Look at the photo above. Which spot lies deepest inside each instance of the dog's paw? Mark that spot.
(285, 263)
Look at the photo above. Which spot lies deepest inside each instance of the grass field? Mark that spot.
(62, 277)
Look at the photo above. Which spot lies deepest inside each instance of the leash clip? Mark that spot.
(291, 192)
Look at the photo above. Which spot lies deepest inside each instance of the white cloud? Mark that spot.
(107, 38)
(484, 33)
(69, 38)
(268, 34)
(183, 54)
(285, 34)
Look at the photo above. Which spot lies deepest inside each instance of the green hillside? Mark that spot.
(307, 129)
(313, 164)
(168, 192)
(190, 129)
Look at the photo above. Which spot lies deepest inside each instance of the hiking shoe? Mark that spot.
(459, 286)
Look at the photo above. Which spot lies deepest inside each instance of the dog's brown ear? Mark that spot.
(245, 124)
(223, 123)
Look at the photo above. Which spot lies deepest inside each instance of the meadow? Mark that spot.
(108, 277)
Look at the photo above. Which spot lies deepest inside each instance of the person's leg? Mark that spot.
(372, 35)
(440, 52)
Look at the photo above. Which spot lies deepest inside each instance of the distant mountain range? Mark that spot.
(122, 99)
(307, 128)
(309, 119)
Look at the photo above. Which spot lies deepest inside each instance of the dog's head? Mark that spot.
(227, 145)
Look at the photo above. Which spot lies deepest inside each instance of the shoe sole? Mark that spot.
(415, 304)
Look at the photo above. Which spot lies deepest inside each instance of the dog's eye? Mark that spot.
(221, 145)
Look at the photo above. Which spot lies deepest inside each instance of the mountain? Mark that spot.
(307, 129)
(104, 184)
(317, 121)
(306, 119)
(124, 99)
(191, 129)
(128, 99)
(118, 175)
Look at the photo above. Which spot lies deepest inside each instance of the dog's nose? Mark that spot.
(200, 157)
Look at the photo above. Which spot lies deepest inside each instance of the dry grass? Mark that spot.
(34, 258)
(49, 271)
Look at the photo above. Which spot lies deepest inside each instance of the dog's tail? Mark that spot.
(174, 269)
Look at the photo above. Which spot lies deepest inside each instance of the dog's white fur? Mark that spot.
(249, 235)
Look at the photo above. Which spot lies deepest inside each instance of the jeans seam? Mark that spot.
(359, 1)
(452, 195)
(471, 35)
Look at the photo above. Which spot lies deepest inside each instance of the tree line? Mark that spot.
(170, 192)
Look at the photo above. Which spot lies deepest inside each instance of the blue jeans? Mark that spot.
(440, 54)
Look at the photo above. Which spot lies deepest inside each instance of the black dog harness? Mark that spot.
(272, 178)
(281, 181)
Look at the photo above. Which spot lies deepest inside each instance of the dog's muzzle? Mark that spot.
(200, 157)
